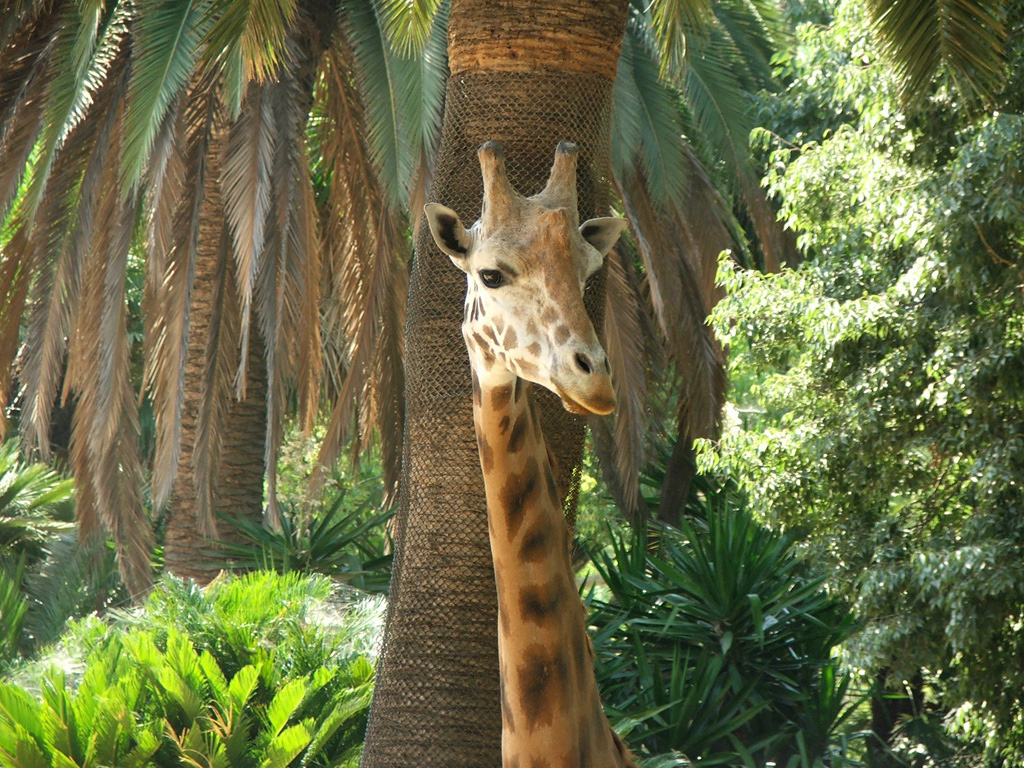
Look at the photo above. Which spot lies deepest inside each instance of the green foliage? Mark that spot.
(881, 420)
(718, 646)
(36, 504)
(346, 544)
(241, 675)
(45, 577)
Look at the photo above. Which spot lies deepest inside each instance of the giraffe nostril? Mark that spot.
(584, 363)
(607, 366)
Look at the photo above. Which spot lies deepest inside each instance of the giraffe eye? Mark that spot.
(492, 278)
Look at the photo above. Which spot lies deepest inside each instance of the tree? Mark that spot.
(884, 423)
(180, 129)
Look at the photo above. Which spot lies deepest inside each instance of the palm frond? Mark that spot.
(247, 38)
(22, 60)
(17, 143)
(778, 244)
(67, 221)
(281, 288)
(382, 77)
(676, 24)
(757, 28)
(408, 24)
(165, 41)
(424, 99)
(165, 178)
(645, 122)
(105, 428)
(625, 336)
(366, 273)
(17, 15)
(664, 238)
(15, 275)
(85, 45)
(717, 102)
(246, 185)
(966, 36)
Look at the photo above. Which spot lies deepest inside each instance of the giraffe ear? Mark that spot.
(449, 234)
(603, 233)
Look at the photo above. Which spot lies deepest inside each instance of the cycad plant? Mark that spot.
(168, 685)
(36, 509)
(36, 505)
(717, 644)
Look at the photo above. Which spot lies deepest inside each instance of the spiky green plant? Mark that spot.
(717, 645)
(348, 544)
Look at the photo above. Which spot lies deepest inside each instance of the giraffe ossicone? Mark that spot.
(527, 260)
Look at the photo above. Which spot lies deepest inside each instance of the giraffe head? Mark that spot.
(526, 261)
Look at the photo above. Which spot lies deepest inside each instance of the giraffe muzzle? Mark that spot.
(597, 398)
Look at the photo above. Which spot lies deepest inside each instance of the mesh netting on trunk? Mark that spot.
(436, 697)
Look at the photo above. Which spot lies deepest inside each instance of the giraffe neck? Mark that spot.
(551, 711)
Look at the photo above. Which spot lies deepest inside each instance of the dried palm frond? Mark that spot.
(20, 133)
(67, 220)
(627, 343)
(105, 451)
(664, 235)
(366, 273)
(281, 288)
(15, 272)
(246, 186)
(165, 178)
(22, 61)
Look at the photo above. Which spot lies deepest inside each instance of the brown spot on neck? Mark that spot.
(518, 493)
(517, 438)
(539, 603)
(542, 677)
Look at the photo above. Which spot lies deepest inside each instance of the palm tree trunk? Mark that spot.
(238, 481)
(528, 75)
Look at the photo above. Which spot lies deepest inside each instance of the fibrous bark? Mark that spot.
(528, 75)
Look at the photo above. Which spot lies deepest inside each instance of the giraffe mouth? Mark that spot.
(600, 407)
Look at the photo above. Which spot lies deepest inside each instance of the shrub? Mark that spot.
(242, 674)
(346, 543)
(716, 645)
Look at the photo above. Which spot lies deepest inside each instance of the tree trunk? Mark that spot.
(528, 75)
(238, 481)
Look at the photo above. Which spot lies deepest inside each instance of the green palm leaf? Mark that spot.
(717, 102)
(166, 36)
(676, 23)
(967, 36)
(248, 39)
(645, 123)
(408, 24)
(383, 78)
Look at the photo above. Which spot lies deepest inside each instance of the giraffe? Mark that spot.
(526, 262)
